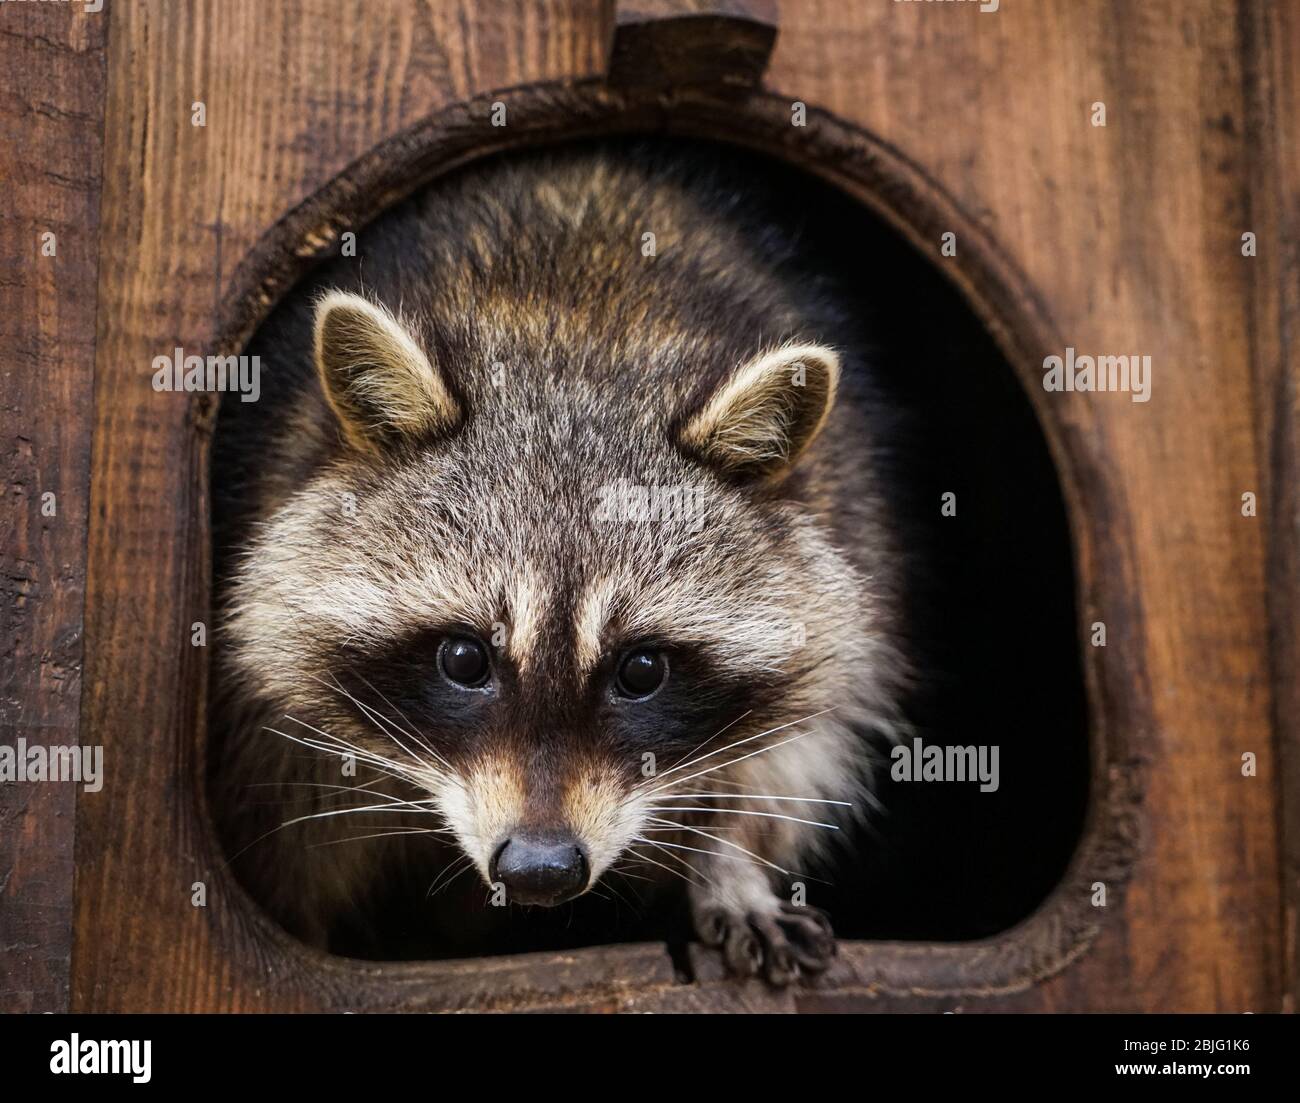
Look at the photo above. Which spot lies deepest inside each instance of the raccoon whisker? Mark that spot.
(748, 812)
(395, 802)
(378, 835)
(715, 781)
(738, 743)
(349, 811)
(453, 868)
(635, 904)
(464, 862)
(265, 835)
(343, 788)
(675, 872)
(343, 749)
(670, 854)
(380, 766)
(321, 815)
(420, 739)
(751, 796)
(710, 853)
(610, 886)
(450, 871)
(711, 738)
(419, 808)
(337, 741)
(732, 762)
(409, 730)
(666, 853)
(384, 725)
(631, 876)
(734, 846)
(713, 826)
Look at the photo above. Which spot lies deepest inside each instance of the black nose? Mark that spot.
(540, 868)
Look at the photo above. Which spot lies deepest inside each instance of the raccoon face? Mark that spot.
(552, 614)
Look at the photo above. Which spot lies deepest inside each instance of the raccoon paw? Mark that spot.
(778, 944)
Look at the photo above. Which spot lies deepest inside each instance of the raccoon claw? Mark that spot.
(743, 951)
(712, 928)
(810, 937)
(778, 945)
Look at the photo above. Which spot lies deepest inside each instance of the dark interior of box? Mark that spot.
(993, 619)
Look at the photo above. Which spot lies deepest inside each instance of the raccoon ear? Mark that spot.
(376, 377)
(760, 420)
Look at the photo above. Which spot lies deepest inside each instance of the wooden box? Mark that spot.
(940, 118)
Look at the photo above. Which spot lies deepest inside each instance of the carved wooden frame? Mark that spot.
(641, 976)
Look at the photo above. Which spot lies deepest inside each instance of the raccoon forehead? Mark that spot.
(757, 599)
(747, 626)
(308, 588)
(309, 613)
(322, 580)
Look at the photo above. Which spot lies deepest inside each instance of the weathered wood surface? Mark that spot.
(51, 121)
(1273, 44)
(1129, 239)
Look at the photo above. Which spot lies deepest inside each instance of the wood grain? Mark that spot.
(1272, 37)
(50, 130)
(1115, 239)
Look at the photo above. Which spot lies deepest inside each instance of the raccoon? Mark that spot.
(558, 545)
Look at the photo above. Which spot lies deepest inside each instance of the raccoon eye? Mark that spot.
(641, 673)
(464, 661)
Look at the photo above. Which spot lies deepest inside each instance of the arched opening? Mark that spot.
(990, 609)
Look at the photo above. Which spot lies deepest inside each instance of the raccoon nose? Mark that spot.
(540, 868)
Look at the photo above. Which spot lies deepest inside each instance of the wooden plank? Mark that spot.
(1271, 35)
(51, 117)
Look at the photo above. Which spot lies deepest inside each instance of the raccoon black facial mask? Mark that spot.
(561, 556)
